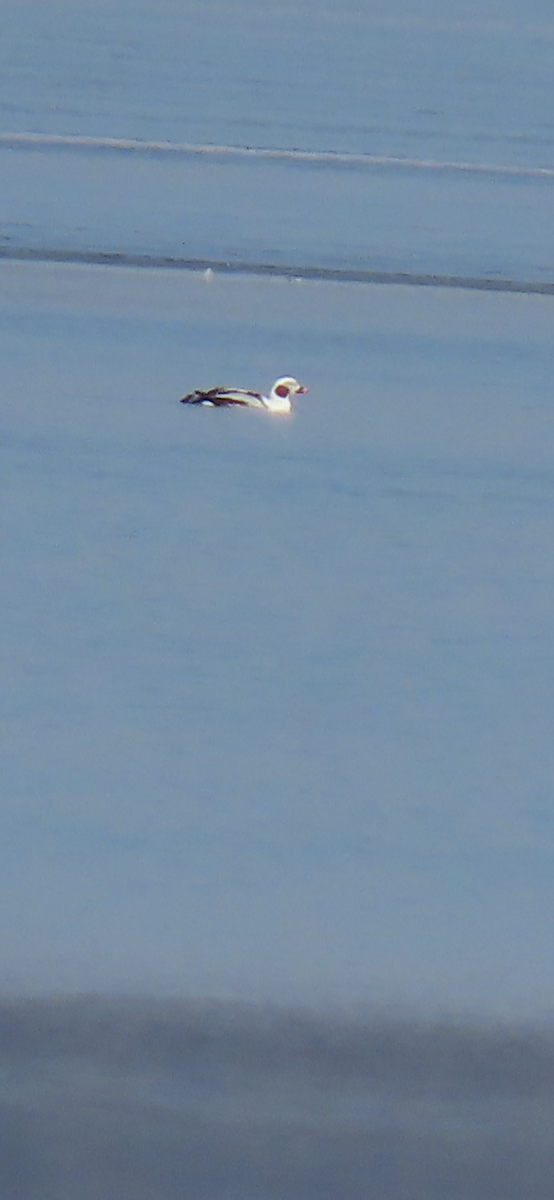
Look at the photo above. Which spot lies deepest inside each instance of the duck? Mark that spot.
(279, 399)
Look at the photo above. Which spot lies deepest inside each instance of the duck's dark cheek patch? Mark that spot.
(281, 390)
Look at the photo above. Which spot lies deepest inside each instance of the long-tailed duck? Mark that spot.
(278, 401)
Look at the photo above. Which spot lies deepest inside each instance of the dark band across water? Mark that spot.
(115, 258)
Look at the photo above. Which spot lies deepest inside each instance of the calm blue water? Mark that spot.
(276, 696)
(455, 80)
(459, 84)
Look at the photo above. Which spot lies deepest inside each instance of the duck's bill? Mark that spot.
(302, 390)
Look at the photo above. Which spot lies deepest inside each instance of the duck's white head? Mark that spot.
(287, 386)
(280, 396)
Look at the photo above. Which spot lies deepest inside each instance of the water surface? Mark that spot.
(277, 692)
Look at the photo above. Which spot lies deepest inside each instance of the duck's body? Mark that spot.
(278, 401)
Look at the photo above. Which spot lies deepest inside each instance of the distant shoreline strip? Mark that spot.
(114, 258)
(46, 141)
